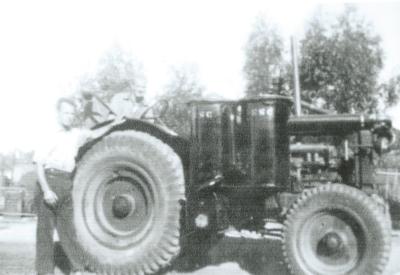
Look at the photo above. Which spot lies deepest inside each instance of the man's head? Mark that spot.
(66, 109)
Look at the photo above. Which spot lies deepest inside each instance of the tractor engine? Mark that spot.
(343, 148)
(313, 163)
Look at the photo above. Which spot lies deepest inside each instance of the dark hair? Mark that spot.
(63, 100)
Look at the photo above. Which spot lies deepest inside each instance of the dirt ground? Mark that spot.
(234, 256)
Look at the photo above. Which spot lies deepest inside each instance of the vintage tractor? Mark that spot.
(140, 189)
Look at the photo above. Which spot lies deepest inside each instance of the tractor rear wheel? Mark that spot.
(126, 200)
(336, 229)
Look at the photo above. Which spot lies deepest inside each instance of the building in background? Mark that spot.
(17, 182)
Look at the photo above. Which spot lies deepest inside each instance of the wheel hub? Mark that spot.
(332, 243)
(123, 206)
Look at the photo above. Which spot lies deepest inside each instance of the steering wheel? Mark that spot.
(156, 111)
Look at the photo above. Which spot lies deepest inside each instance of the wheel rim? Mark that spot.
(119, 204)
(331, 242)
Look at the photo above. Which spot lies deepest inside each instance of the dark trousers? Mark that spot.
(59, 217)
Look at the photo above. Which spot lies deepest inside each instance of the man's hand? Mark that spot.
(118, 119)
(50, 197)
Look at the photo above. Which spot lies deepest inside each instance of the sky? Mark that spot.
(46, 46)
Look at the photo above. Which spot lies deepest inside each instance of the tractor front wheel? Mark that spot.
(335, 230)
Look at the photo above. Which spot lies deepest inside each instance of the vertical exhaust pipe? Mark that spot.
(297, 99)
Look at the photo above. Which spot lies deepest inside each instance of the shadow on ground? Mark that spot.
(255, 256)
(215, 256)
(258, 257)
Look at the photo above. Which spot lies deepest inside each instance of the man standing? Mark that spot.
(55, 166)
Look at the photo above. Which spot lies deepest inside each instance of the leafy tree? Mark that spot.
(182, 87)
(315, 64)
(118, 72)
(263, 61)
(390, 91)
(341, 63)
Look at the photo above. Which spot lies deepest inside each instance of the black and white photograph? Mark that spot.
(199, 137)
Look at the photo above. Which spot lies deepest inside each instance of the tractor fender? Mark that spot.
(178, 144)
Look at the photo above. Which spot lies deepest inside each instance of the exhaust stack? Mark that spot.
(297, 99)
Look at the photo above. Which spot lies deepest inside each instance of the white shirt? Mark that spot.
(60, 152)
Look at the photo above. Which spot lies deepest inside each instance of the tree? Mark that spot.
(263, 62)
(341, 63)
(315, 64)
(118, 72)
(390, 91)
(182, 87)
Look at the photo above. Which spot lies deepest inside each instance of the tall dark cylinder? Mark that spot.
(269, 140)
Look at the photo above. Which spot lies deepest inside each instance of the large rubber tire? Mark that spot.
(388, 184)
(126, 199)
(336, 229)
(388, 187)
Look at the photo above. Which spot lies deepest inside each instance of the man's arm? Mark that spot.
(96, 133)
(48, 195)
(93, 134)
